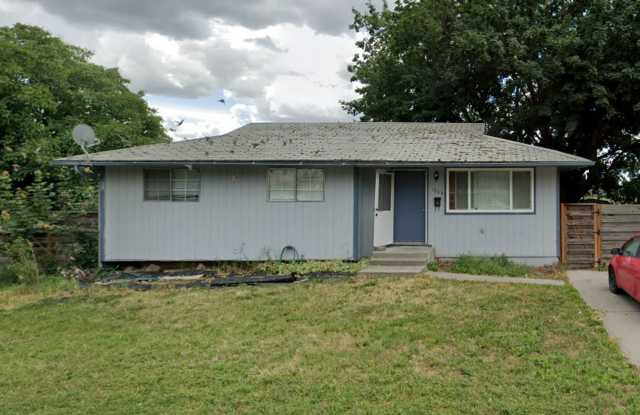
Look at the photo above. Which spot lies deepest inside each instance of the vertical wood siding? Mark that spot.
(618, 223)
(366, 190)
(232, 221)
(579, 223)
(591, 230)
(530, 238)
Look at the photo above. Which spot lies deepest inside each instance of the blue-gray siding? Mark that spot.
(365, 213)
(232, 221)
(530, 238)
(101, 216)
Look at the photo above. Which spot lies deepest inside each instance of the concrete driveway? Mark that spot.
(620, 313)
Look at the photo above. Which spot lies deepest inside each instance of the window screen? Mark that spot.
(177, 185)
(490, 190)
(384, 192)
(458, 190)
(289, 185)
(185, 185)
(282, 185)
(522, 197)
(310, 185)
(157, 184)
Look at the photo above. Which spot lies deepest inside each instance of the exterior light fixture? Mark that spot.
(436, 175)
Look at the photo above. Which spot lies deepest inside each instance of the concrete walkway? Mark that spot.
(488, 278)
(620, 313)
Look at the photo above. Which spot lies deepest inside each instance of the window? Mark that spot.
(384, 191)
(290, 185)
(631, 248)
(177, 185)
(490, 190)
(309, 185)
(522, 190)
(157, 185)
(185, 185)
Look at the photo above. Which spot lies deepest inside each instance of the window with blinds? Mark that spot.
(185, 185)
(157, 184)
(296, 185)
(490, 190)
(176, 185)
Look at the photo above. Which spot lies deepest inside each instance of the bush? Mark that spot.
(84, 250)
(7, 276)
(22, 266)
(495, 265)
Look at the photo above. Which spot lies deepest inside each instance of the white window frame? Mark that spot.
(296, 200)
(379, 184)
(467, 211)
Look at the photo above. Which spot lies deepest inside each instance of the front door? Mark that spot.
(383, 225)
(409, 207)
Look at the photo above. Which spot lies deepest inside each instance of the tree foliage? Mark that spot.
(563, 74)
(46, 88)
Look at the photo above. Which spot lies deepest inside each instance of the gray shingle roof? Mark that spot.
(340, 143)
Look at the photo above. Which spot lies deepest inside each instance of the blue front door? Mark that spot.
(409, 217)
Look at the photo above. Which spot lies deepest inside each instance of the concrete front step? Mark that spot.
(417, 249)
(401, 255)
(392, 270)
(411, 254)
(397, 261)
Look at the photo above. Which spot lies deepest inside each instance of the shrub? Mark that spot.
(84, 251)
(7, 276)
(494, 265)
(22, 266)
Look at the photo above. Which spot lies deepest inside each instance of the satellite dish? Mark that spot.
(84, 136)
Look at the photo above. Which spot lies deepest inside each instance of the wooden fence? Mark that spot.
(57, 246)
(589, 232)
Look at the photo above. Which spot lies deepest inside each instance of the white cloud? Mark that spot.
(268, 67)
(190, 18)
(198, 120)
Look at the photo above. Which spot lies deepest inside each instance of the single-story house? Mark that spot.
(330, 191)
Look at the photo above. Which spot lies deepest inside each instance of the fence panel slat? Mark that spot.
(590, 231)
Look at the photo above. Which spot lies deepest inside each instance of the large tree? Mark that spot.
(46, 88)
(562, 74)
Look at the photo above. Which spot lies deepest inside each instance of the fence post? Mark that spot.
(597, 235)
(563, 234)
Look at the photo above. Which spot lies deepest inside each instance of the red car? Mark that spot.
(624, 269)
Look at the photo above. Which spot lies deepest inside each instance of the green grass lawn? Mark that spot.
(496, 265)
(361, 345)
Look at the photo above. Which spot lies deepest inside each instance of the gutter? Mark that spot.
(382, 163)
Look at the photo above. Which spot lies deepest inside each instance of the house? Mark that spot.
(330, 191)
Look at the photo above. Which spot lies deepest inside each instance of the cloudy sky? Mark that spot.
(271, 60)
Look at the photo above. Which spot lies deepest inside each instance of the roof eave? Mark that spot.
(360, 163)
